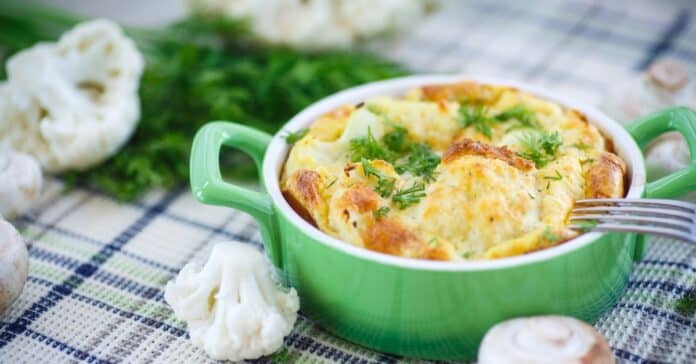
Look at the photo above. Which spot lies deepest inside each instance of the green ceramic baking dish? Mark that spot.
(428, 309)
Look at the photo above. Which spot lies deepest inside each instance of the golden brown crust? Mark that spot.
(302, 193)
(467, 91)
(363, 198)
(605, 177)
(470, 147)
(388, 236)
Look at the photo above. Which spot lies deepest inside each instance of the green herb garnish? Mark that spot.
(330, 184)
(369, 148)
(588, 160)
(293, 137)
(381, 212)
(198, 70)
(585, 226)
(421, 162)
(434, 242)
(397, 140)
(686, 305)
(540, 148)
(385, 185)
(410, 196)
(556, 177)
(582, 146)
(477, 116)
(550, 236)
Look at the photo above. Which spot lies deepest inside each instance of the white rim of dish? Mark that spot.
(277, 150)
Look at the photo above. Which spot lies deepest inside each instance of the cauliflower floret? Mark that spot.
(20, 182)
(233, 309)
(73, 103)
(317, 23)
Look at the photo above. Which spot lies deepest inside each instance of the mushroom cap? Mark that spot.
(669, 74)
(13, 265)
(542, 340)
(20, 182)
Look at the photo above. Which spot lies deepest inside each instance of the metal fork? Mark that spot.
(670, 218)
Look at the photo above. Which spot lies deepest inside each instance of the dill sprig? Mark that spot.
(421, 161)
(381, 212)
(368, 147)
(409, 196)
(294, 137)
(540, 148)
(477, 116)
(385, 185)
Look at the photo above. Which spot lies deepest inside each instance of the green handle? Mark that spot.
(209, 187)
(646, 129)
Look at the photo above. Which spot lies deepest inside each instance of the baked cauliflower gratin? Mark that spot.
(449, 172)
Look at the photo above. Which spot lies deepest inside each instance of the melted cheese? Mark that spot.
(485, 200)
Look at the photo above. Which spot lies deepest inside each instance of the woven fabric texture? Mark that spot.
(98, 267)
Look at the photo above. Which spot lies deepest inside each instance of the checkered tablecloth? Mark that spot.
(98, 267)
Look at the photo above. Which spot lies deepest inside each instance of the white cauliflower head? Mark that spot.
(73, 103)
(20, 182)
(318, 23)
(233, 308)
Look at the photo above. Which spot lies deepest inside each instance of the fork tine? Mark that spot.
(682, 205)
(641, 229)
(653, 221)
(647, 211)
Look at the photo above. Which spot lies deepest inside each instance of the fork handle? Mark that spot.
(646, 129)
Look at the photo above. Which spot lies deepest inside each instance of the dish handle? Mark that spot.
(646, 129)
(208, 186)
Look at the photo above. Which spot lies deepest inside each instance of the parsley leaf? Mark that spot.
(294, 137)
(409, 196)
(540, 148)
(385, 185)
(368, 147)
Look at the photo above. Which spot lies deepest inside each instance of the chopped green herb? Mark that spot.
(368, 147)
(330, 184)
(466, 255)
(585, 226)
(588, 160)
(385, 185)
(556, 177)
(686, 305)
(522, 115)
(582, 146)
(421, 162)
(434, 242)
(381, 212)
(410, 196)
(476, 116)
(540, 148)
(550, 236)
(397, 139)
(294, 137)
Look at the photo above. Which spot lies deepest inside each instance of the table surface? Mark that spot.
(98, 267)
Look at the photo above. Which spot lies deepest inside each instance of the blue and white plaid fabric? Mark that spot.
(98, 267)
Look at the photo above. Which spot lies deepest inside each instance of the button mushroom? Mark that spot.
(233, 309)
(73, 103)
(544, 339)
(666, 83)
(20, 182)
(13, 265)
